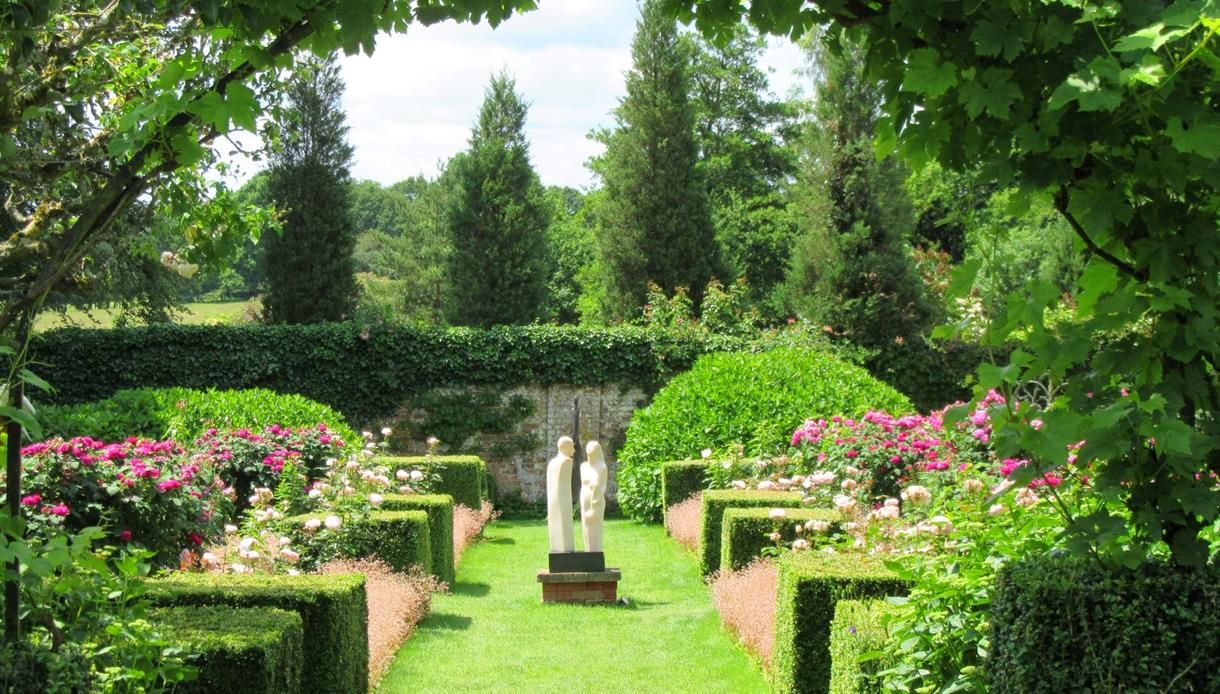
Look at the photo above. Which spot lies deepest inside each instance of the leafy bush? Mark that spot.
(357, 370)
(680, 479)
(810, 585)
(439, 508)
(27, 668)
(716, 501)
(333, 610)
(1060, 625)
(463, 477)
(401, 539)
(144, 493)
(254, 650)
(183, 414)
(745, 532)
(857, 629)
(751, 399)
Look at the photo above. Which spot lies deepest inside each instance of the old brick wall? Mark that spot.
(605, 412)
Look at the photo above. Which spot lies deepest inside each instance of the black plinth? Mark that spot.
(563, 562)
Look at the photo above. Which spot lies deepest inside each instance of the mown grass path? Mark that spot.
(493, 634)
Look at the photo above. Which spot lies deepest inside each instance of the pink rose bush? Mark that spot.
(249, 459)
(151, 494)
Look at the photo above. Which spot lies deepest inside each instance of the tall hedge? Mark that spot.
(333, 609)
(364, 372)
(1062, 624)
(756, 400)
(744, 532)
(858, 628)
(716, 502)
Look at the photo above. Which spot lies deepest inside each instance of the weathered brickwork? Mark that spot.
(605, 413)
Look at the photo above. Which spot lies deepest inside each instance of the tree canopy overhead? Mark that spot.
(104, 102)
(1113, 110)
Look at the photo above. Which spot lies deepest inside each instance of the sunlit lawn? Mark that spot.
(197, 313)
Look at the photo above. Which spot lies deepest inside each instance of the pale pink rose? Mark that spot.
(996, 509)
(778, 513)
(403, 475)
(333, 522)
(375, 499)
(313, 524)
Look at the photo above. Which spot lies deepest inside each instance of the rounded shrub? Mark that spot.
(184, 414)
(755, 400)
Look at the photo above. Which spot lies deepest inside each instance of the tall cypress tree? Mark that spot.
(852, 270)
(310, 271)
(497, 219)
(653, 222)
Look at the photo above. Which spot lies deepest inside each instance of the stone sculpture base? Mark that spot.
(561, 562)
(580, 587)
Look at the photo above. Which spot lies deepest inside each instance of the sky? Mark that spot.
(410, 106)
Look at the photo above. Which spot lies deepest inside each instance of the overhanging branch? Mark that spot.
(1061, 204)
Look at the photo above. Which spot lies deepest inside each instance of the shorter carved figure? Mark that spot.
(559, 497)
(593, 478)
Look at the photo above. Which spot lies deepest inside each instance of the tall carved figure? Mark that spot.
(593, 477)
(559, 497)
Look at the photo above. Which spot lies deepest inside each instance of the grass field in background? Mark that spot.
(196, 314)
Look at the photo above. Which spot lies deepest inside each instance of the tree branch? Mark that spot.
(1061, 204)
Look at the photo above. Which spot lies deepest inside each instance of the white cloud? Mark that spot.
(412, 103)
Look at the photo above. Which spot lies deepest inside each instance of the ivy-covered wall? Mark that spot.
(515, 429)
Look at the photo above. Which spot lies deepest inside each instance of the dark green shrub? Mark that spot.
(27, 668)
(716, 502)
(401, 539)
(756, 400)
(254, 650)
(1062, 624)
(744, 531)
(333, 610)
(463, 477)
(931, 374)
(183, 414)
(680, 479)
(809, 586)
(366, 373)
(858, 628)
(439, 508)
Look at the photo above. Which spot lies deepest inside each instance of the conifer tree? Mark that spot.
(310, 271)
(653, 221)
(497, 219)
(852, 269)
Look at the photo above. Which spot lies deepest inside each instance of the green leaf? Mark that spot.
(1095, 88)
(1202, 136)
(992, 92)
(1148, 38)
(926, 74)
(1099, 278)
(25, 419)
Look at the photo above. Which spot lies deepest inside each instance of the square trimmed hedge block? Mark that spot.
(810, 584)
(333, 610)
(744, 531)
(439, 508)
(401, 539)
(717, 501)
(680, 479)
(857, 628)
(253, 650)
(463, 477)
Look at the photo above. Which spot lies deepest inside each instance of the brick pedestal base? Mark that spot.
(585, 587)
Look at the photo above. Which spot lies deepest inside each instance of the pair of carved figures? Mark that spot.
(592, 496)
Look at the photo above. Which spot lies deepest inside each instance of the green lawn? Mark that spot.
(493, 634)
(198, 313)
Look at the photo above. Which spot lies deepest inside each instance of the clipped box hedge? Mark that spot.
(857, 628)
(680, 479)
(809, 586)
(439, 508)
(744, 531)
(717, 501)
(333, 610)
(463, 477)
(254, 650)
(401, 539)
(1061, 624)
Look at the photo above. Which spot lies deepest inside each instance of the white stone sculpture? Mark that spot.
(593, 477)
(559, 497)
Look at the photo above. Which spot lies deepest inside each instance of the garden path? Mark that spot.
(493, 634)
